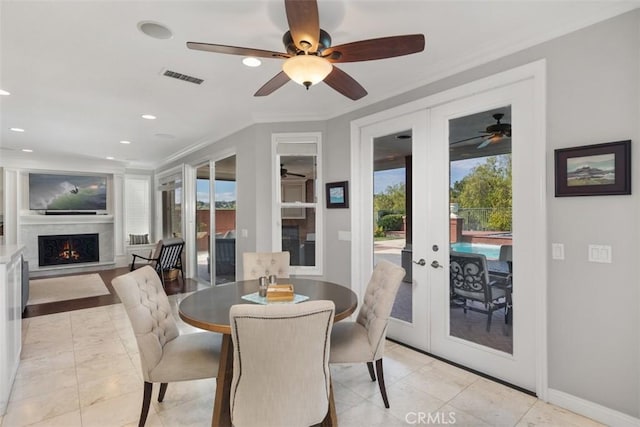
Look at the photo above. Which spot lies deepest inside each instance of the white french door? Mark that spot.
(429, 326)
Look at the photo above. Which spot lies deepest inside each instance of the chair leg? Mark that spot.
(383, 390)
(146, 401)
(489, 316)
(163, 390)
(371, 373)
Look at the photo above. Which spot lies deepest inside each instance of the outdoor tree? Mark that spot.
(392, 200)
(488, 186)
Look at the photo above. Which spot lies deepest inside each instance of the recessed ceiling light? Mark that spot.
(110, 158)
(4, 92)
(149, 116)
(17, 129)
(125, 142)
(27, 150)
(155, 30)
(250, 61)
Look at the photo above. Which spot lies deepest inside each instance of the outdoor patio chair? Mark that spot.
(469, 280)
(167, 256)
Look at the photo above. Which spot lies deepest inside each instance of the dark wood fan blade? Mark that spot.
(304, 23)
(345, 84)
(466, 139)
(233, 50)
(272, 85)
(367, 50)
(295, 174)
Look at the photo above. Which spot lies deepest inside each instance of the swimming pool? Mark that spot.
(490, 251)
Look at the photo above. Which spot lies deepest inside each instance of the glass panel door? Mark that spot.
(392, 216)
(480, 229)
(225, 193)
(203, 222)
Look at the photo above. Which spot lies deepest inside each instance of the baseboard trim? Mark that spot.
(592, 410)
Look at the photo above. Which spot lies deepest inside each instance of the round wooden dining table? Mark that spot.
(208, 309)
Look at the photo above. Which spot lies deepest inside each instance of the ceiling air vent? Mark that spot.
(182, 77)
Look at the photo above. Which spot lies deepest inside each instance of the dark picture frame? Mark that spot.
(594, 170)
(337, 194)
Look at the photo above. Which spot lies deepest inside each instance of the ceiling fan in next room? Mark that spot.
(493, 133)
(284, 173)
(309, 56)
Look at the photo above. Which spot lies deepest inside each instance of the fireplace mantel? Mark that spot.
(66, 219)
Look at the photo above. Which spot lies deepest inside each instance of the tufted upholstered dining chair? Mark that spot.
(276, 387)
(363, 341)
(257, 264)
(165, 355)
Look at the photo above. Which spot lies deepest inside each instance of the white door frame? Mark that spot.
(360, 269)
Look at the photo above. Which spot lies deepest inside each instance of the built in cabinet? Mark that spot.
(11, 318)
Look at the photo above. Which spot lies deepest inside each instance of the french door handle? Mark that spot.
(421, 262)
(436, 264)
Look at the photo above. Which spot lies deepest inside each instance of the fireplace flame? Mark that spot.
(68, 253)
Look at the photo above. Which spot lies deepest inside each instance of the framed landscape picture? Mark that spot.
(594, 170)
(338, 194)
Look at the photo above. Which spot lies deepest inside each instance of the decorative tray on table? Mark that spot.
(276, 294)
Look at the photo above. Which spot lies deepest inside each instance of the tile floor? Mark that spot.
(81, 368)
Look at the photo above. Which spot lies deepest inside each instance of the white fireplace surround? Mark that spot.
(32, 226)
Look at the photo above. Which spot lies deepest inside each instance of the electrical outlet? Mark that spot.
(600, 253)
(557, 251)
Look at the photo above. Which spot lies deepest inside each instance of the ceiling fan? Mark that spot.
(284, 173)
(309, 56)
(492, 133)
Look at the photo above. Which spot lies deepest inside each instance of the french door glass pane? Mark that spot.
(392, 216)
(480, 197)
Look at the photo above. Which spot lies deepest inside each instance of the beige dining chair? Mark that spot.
(363, 341)
(257, 264)
(165, 354)
(281, 373)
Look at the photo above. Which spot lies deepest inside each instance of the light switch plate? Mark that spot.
(600, 253)
(557, 251)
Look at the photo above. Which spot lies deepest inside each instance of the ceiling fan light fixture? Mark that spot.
(307, 70)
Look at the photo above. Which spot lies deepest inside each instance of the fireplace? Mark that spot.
(68, 249)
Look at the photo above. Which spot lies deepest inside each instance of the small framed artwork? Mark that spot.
(594, 170)
(338, 194)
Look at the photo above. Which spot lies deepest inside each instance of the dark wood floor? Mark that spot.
(177, 286)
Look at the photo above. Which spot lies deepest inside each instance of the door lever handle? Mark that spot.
(436, 264)
(421, 262)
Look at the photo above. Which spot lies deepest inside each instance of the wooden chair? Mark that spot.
(167, 256)
(165, 354)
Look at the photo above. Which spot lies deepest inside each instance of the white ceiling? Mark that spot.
(81, 73)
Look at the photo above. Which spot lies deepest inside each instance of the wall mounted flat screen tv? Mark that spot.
(53, 192)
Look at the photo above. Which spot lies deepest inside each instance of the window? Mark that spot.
(137, 205)
(297, 208)
(170, 188)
